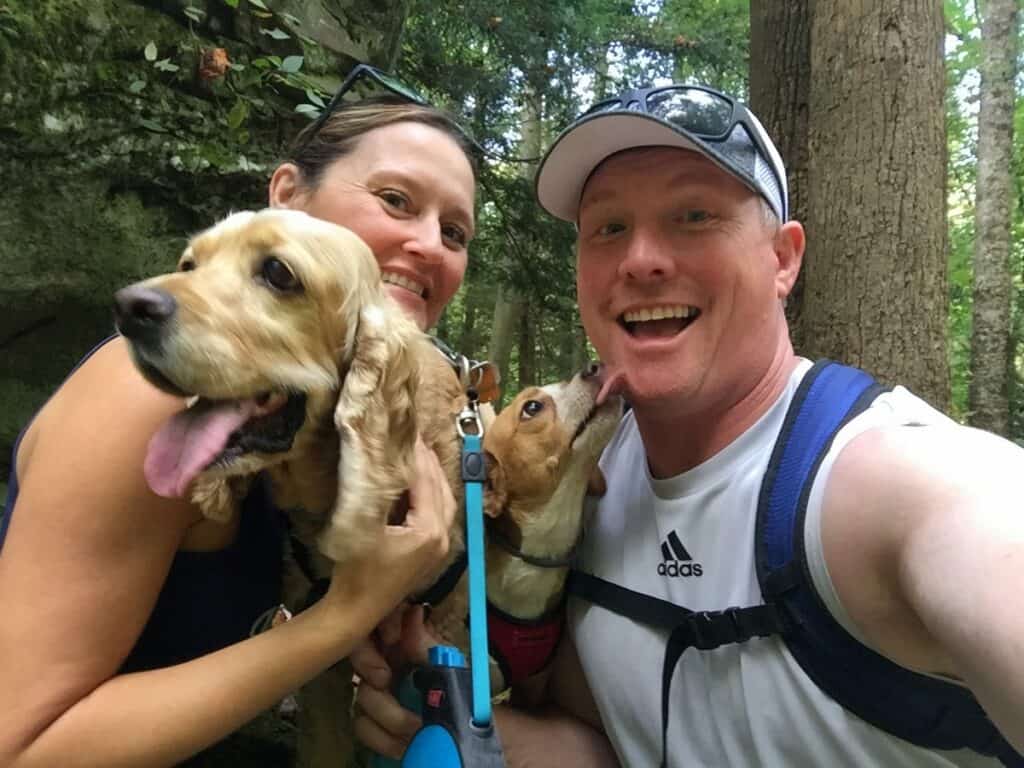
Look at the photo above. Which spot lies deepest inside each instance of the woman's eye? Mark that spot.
(611, 228)
(454, 234)
(530, 409)
(277, 275)
(394, 199)
(186, 265)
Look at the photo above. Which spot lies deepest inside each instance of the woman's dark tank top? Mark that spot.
(210, 599)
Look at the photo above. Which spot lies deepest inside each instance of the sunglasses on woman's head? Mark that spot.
(368, 77)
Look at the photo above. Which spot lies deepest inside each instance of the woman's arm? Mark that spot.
(87, 551)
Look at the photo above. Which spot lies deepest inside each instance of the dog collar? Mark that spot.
(480, 376)
(495, 536)
(445, 583)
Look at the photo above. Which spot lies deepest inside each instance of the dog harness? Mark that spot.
(521, 647)
(920, 709)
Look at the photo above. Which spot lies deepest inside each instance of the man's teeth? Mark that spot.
(659, 313)
(403, 282)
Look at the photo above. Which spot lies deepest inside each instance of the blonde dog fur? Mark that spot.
(272, 306)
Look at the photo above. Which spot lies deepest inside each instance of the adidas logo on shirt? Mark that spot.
(676, 560)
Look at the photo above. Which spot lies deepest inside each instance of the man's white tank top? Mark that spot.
(689, 539)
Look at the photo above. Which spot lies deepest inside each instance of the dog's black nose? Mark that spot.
(590, 370)
(140, 313)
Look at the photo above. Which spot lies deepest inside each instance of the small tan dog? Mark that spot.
(297, 365)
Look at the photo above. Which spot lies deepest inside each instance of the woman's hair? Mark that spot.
(339, 135)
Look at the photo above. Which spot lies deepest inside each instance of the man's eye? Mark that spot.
(279, 277)
(696, 216)
(394, 199)
(530, 409)
(455, 234)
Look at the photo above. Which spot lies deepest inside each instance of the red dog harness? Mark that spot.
(523, 647)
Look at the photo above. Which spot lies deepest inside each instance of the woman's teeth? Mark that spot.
(404, 282)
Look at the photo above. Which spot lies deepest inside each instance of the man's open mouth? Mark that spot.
(217, 432)
(658, 322)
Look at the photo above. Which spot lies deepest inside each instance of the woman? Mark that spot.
(92, 557)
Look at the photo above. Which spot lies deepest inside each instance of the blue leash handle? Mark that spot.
(473, 474)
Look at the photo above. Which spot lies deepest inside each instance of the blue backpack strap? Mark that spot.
(920, 709)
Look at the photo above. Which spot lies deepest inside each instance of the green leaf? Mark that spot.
(150, 51)
(196, 14)
(291, 64)
(308, 110)
(137, 86)
(258, 4)
(295, 21)
(277, 33)
(314, 98)
(152, 125)
(165, 65)
(231, 3)
(238, 114)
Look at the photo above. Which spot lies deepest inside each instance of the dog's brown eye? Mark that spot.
(187, 265)
(278, 276)
(530, 409)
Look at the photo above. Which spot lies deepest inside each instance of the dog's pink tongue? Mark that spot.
(189, 441)
(611, 384)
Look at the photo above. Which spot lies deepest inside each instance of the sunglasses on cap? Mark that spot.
(710, 116)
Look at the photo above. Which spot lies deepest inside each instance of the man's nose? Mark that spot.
(647, 258)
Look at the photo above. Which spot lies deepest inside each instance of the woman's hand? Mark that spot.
(388, 573)
(383, 724)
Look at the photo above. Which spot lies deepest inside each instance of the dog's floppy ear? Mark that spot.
(496, 488)
(376, 423)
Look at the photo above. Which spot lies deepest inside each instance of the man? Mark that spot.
(911, 539)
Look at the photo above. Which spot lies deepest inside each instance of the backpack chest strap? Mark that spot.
(703, 630)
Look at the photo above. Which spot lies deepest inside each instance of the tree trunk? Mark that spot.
(508, 304)
(990, 336)
(780, 77)
(527, 350)
(875, 285)
(507, 309)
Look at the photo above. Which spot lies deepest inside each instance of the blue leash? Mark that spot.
(451, 737)
(473, 473)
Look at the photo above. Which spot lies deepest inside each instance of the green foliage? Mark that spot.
(963, 57)
(484, 60)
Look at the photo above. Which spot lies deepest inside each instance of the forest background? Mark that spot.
(125, 127)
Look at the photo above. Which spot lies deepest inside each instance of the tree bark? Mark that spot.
(527, 351)
(509, 304)
(875, 290)
(780, 77)
(991, 359)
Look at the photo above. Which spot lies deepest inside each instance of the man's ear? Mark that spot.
(286, 188)
(789, 245)
(495, 490)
